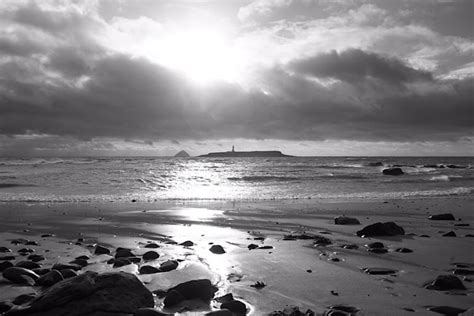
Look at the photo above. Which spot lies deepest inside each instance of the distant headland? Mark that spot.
(233, 153)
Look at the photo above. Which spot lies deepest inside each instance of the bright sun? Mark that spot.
(202, 55)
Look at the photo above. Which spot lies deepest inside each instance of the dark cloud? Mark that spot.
(354, 65)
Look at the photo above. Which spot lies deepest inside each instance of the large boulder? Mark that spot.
(20, 275)
(381, 229)
(444, 283)
(392, 171)
(201, 289)
(90, 293)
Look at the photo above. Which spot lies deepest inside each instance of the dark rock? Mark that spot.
(27, 265)
(4, 265)
(350, 246)
(149, 270)
(50, 278)
(217, 249)
(134, 259)
(442, 217)
(293, 311)
(376, 244)
(379, 271)
(41, 271)
(25, 251)
(252, 246)
(123, 253)
(450, 234)
(168, 265)
(62, 266)
(446, 310)
(36, 258)
(68, 273)
(462, 225)
(444, 283)
(152, 245)
(80, 262)
(344, 220)
(236, 307)
(321, 240)
(222, 312)
(345, 308)
(5, 258)
(19, 241)
(99, 250)
(31, 243)
(377, 250)
(463, 272)
(150, 255)
(120, 262)
(265, 247)
(172, 298)
(91, 293)
(150, 312)
(20, 275)
(47, 235)
(5, 249)
(258, 285)
(83, 257)
(196, 289)
(5, 307)
(187, 243)
(381, 229)
(393, 171)
(403, 250)
(22, 299)
(225, 298)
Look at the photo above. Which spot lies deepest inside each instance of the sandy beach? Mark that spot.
(276, 253)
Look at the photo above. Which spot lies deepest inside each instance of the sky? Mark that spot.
(307, 77)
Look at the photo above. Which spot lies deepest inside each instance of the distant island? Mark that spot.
(233, 153)
(182, 154)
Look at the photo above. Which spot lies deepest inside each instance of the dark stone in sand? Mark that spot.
(91, 293)
(196, 289)
(19, 241)
(31, 243)
(265, 247)
(392, 171)
(134, 259)
(4, 258)
(62, 266)
(5, 306)
(83, 257)
(321, 240)
(4, 265)
(376, 244)
(36, 258)
(187, 243)
(258, 285)
(80, 262)
(425, 236)
(148, 270)
(27, 265)
(5, 249)
(99, 250)
(68, 273)
(381, 229)
(463, 272)
(150, 312)
(344, 308)
(152, 245)
(168, 265)
(225, 298)
(450, 234)
(20, 275)
(469, 235)
(172, 298)
(403, 250)
(379, 271)
(120, 262)
(377, 250)
(444, 283)
(47, 235)
(25, 251)
(446, 310)
(41, 271)
(442, 217)
(150, 255)
(22, 299)
(217, 249)
(344, 220)
(123, 253)
(252, 246)
(350, 246)
(222, 312)
(50, 278)
(171, 242)
(462, 225)
(293, 311)
(236, 307)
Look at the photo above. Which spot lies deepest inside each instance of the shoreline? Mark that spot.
(335, 275)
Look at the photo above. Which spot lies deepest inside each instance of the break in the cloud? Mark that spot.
(89, 76)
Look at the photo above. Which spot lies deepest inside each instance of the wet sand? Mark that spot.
(294, 271)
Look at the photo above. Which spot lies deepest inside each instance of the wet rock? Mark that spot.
(123, 253)
(442, 217)
(350, 246)
(41, 271)
(62, 266)
(31, 243)
(196, 289)
(168, 265)
(19, 241)
(120, 262)
(20, 275)
(4, 265)
(292, 311)
(265, 247)
(225, 298)
(446, 310)
(187, 243)
(68, 273)
(377, 250)
(222, 312)
(444, 283)
(235, 306)
(344, 220)
(252, 246)
(258, 285)
(463, 272)
(7, 258)
(321, 240)
(99, 250)
(149, 270)
(217, 249)
(80, 262)
(27, 265)
(91, 293)
(24, 298)
(462, 225)
(134, 259)
(5, 249)
(379, 271)
(152, 246)
(5, 307)
(381, 229)
(150, 312)
(83, 257)
(36, 258)
(50, 278)
(393, 171)
(25, 251)
(150, 255)
(376, 244)
(173, 298)
(450, 234)
(47, 235)
(345, 308)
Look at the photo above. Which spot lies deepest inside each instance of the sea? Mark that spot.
(151, 179)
